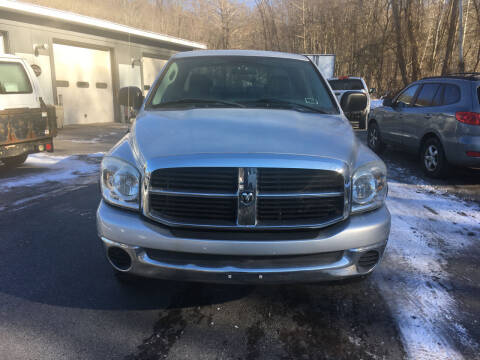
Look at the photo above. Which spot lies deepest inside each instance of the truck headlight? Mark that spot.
(369, 187)
(120, 183)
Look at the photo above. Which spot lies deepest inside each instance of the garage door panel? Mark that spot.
(84, 102)
(151, 69)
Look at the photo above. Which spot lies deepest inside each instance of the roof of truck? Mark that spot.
(273, 54)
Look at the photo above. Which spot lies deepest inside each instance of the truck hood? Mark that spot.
(158, 134)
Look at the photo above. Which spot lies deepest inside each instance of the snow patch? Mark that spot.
(375, 103)
(425, 224)
(48, 167)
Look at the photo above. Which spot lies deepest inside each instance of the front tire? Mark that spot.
(15, 160)
(374, 138)
(432, 158)
(362, 123)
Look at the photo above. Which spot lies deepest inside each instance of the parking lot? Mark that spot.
(60, 300)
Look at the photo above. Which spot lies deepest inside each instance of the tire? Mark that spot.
(432, 158)
(374, 139)
(15, 160)
(362, 123)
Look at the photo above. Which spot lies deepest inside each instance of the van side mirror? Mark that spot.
(372, 90)
(130, 96)
(353, 101)
(387, 102)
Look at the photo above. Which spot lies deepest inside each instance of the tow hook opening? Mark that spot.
(368, 260)
(119, 258)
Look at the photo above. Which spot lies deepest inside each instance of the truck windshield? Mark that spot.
(14, 79)
(346, 84)
(242, 81)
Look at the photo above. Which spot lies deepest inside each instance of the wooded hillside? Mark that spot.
(389, 42)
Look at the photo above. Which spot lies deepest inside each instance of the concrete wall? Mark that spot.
(24, 31)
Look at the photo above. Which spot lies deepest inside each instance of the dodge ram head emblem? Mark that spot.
(246, 197)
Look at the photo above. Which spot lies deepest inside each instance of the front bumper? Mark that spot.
(343, 244)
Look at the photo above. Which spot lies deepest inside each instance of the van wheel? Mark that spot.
(374, 139)
(433, 160)
(15, 160)
(362, 123)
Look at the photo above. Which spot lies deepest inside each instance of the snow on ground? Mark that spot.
(375, 103)
(426, 225)
(46, 167)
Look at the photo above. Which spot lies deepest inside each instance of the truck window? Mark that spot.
(346, 84)
(14, 79)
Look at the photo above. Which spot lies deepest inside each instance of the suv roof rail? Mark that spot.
(459, 75)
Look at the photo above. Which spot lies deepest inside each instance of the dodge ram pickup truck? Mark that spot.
(27, 125)
(241, 168)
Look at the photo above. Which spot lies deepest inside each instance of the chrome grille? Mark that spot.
(253, 198)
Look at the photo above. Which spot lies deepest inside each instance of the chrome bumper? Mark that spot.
(354, 237)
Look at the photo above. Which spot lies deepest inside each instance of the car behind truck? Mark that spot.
(27, 124)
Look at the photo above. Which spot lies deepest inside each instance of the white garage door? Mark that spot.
(84, 84)
(2, 44)
(151, 69)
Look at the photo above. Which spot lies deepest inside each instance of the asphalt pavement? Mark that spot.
(60, 300)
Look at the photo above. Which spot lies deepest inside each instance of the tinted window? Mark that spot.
(437, 100)
(406, 98)
(346, 84)
(14, 79)
(427, 94)
(451, 95)
(250, 81)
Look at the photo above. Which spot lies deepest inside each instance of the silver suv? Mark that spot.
(437, 118)
(241, 167)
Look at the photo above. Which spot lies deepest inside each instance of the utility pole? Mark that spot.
(461, 63)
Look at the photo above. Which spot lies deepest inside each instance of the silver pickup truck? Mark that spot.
(242, 168)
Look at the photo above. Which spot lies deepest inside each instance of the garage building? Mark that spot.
(82, 62)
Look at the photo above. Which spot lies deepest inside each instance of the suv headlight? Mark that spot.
(369, 187)
(120, 183)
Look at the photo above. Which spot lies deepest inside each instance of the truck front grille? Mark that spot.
(246, 198)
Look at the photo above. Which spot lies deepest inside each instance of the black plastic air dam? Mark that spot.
(119, 258)
(369, 259)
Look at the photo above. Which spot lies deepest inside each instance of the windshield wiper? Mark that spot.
(197, 101)
(285, 103)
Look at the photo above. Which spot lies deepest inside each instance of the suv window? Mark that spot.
(427, 95)
(451, 94)
(14, 79)
(406, 98)
(346, 84)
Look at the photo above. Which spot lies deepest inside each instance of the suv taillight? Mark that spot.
(466, 117)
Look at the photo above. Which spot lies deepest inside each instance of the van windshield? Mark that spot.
(242, 81)
(14, 79)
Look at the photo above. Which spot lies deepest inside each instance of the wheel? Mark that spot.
(432, 158)
(15, 160)
(362, 123)
(374, 139)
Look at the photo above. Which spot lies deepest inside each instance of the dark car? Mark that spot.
(437, 118)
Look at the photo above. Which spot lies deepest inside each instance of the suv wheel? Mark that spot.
(434, 162)
(362, 123)
(15, 160)
(374, 139)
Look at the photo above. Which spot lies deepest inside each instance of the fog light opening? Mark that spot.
(368, 260)
(119, 258)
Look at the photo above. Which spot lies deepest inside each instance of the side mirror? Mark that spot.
(353, 101)
(130, 96)
(372, 90)
(388, 102)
